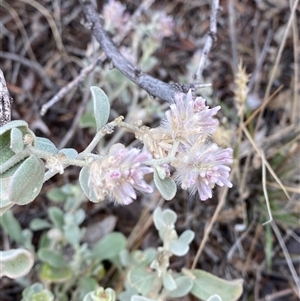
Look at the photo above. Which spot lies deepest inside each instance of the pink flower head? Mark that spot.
(202, 167)
(115, 16)
(164, 24)
(119, 174)
(190, 120)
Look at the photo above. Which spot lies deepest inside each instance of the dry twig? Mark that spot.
(153, 86)
(5, 105)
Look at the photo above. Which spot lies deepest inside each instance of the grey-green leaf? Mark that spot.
(180, 246)
(141, 279)
(39, 224)
(45, 145)
(15, 263)
(70, 153)
(184, 285)
(101, 106)
(206, 285)
(166, 187)
(169, 282)
(54, 259)
(83, 181)
(27, 181)
(57, 217)
(16, 140)
(12, 227)
(109, 246)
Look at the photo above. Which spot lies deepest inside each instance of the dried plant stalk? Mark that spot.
(5, 103)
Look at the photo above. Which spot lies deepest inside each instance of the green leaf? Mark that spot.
(54, 259)
(101, 106)
(164, 218)
(86, 285)
(166, 187)
(15, 263)
(83, 181)
(45, 145)
(55, 275)
(109, 246)
(169, 217)
(169, 282)
(36, 292)
(5, 140)
(56, 215)
(70, 153)
(12, 227)
(56, 195)
(183, 286)
(206, 285)
(72, 232)
(27, 181)
(16, 140)
(141, 279)
(38, 224)
(180, 246)
(87, 120)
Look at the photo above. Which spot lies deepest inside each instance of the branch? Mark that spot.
(153, 86)
(5, 105)
(211, 37)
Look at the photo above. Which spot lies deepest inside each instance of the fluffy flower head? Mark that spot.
(115, 16)
(119, 174)
(190, 120)
(201, 167)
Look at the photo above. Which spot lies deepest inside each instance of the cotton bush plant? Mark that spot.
(177, 151)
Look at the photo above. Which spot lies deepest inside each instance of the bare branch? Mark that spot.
(5, 103)
(211, 37)
(150, 84)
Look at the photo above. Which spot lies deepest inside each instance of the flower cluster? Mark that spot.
(119, 174)
(199, 163)
(164, 25)
(201, 167)
(115, 16)
(189, 121)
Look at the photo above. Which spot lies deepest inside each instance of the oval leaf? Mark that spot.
(55, 275)
(56, 215)
(109, 246)
(83, 181)
(166, 187)
(184, 285)
(16, 140)
(180, 246)
(12, 227)
(169, 282)
(15, 263)
(38, 224)
(141, 279)
(70, 153)
(54, 259)
(206, 285)
(27, 181)
(101, 106)
(45, 145)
